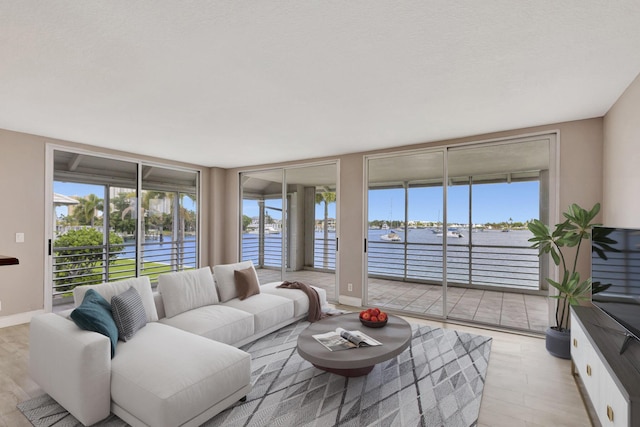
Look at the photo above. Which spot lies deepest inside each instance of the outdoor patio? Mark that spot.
(499, 308)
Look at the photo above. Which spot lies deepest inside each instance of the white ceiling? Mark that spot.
(236, 83)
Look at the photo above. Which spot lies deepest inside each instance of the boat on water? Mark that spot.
(268, 229)
(391, 236)
(451, 233)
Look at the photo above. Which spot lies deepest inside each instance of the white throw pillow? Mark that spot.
(111, 289)
(186, 290)
(225, 280)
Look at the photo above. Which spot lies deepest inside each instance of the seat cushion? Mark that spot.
(165, 377)
(268, 310)
(216, 322)
(185, 290)
(299, 298)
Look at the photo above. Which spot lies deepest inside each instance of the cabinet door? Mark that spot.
(612, 408)
(579, 344)
(586, 360)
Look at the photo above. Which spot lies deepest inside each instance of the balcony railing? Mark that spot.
(324, 255)
(505, 266)
(88, 265)
(484, 265)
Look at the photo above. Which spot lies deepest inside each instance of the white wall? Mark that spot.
(621, 160)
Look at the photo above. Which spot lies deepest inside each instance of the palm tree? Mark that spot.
(87, 208)
(326, 197)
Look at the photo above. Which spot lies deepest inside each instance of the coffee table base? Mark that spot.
(356, 372)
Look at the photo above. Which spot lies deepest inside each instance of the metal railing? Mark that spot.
(506, 266)
(324, 255)
(88, 265)
(479, 265)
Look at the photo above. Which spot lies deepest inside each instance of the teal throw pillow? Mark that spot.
(94, 314)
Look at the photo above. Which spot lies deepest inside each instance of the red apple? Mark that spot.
(376, 311)
(382, 316)
(362, 312)
(374, 318)
(366, 316)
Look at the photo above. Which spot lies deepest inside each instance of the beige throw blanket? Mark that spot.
(315, 310)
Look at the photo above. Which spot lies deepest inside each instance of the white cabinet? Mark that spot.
(612, 409)
(608, 399)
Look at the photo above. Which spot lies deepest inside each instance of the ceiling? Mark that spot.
(232, 83)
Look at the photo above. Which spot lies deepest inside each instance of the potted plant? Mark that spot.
(572, 290)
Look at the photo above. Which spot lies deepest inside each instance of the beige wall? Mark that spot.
(621, 162)
(22, 189)
(22, 209)
(580, 172)
(22, 160)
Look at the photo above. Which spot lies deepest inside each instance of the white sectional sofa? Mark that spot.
(181, 367)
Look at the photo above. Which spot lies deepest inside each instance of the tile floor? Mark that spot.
(487, 307)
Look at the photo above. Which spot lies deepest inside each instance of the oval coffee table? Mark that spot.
(395, 336)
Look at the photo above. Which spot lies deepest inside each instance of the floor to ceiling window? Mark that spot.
(447, 231)
(289, 226)
(115, 219)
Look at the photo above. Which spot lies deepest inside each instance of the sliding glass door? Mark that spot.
(289, 225)
(114, 219)
(405, 233)
(447, 231)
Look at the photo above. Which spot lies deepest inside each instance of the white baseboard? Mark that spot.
(352, 301)
(18, 319)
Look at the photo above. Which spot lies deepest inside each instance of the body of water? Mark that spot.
(495, 257)
(162, 252)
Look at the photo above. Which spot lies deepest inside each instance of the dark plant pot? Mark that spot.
(558, 343)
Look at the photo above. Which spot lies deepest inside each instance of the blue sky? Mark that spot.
(74, 189)
(491, 202)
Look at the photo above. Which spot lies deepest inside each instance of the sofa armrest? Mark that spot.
(72, 365)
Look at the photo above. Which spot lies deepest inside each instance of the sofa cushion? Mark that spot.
(128, 313)
(225, 280)
(94, 314)
(165, 376)
(111, 289)
(216, 322)
(268, 310)
(299, 298)
(185, 290)
(246, 283)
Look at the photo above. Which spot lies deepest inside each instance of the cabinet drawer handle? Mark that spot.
(610, 413)
(589, 370)
(575, 342)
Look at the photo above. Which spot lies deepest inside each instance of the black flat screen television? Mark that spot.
(620, 270)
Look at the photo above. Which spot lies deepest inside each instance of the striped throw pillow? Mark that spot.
(128, 313)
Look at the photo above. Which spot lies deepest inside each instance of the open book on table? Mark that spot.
(341, 339)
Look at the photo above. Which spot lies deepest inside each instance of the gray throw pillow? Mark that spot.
(128, 313)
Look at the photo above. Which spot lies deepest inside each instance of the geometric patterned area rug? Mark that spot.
(437, 381)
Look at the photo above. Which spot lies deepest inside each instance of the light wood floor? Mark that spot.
(525, 386)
